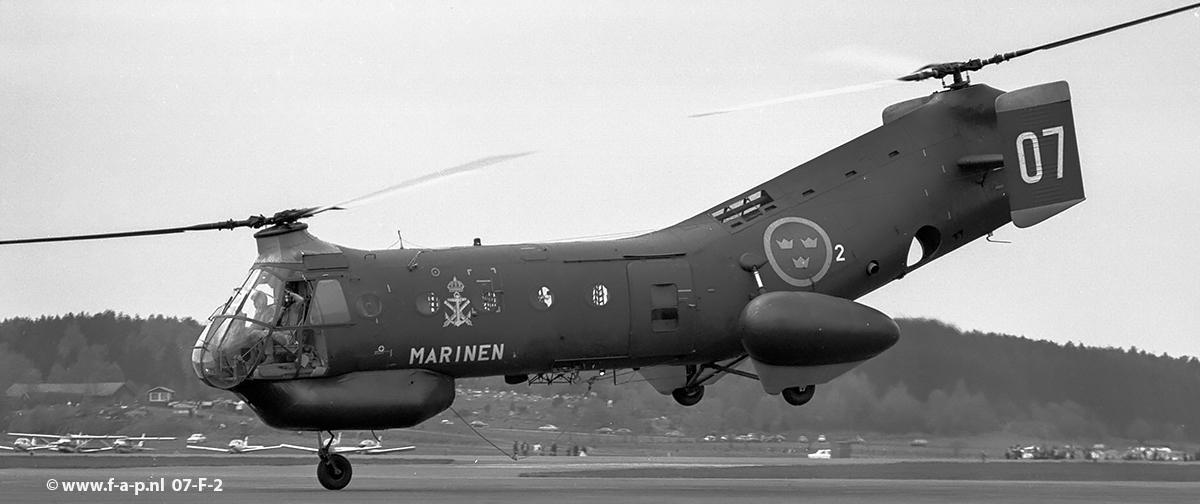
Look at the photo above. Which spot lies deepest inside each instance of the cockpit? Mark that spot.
(271, 328)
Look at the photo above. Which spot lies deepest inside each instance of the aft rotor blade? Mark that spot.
(801, 97)
(1096, 33)
(257, 221)
(447, 172)
(940, 70)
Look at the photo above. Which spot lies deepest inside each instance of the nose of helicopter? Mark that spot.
(227, 351)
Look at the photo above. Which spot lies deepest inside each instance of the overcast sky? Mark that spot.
(125, 115)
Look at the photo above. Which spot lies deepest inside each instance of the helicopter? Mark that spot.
(767, 276)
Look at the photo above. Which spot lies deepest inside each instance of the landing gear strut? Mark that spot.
(797, 396)
(333, 471)
(688, 396)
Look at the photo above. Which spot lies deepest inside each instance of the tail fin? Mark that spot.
(1041, 156)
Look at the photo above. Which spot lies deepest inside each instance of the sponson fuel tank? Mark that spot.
(364, 400)
(787, 329)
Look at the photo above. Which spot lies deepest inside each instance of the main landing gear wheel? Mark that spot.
(334, 472)
(688, 396)
(799, 397)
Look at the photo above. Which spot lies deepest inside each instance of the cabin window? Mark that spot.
(329, 304)
(744, 209)
(542, 298)
(664, 307)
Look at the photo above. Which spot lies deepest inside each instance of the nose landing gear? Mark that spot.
(333, 470)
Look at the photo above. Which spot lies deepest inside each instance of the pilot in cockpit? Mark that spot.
(264, 310)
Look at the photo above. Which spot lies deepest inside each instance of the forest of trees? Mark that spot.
(104, 347)
(936, 380)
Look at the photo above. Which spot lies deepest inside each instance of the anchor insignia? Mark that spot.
(457, 304)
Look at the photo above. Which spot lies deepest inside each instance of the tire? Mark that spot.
(799, 397)
(688, 396)
(334, 472)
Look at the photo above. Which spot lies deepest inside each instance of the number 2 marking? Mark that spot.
(840, 250)
(1037, 153)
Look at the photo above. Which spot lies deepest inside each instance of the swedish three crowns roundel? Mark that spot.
(798, 249)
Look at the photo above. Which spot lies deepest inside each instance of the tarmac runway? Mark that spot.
(495, 479)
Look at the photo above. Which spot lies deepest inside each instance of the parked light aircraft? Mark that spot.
(237, 446)
(366, 446)
(127, 445)
(26, 445)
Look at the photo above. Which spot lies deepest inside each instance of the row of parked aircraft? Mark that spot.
(85, 443)
(80, 443)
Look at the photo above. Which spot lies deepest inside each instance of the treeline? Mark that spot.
(104, 347)
(936, 380)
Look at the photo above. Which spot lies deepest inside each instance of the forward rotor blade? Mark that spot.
(283, 217)
(447, 172)
(800, 97)
(257, 221)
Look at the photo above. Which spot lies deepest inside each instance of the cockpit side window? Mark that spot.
(260, 297)
(329, 304)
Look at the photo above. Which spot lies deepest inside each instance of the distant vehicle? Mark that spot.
(709, 438)
(821, 438)
(196, 438)
(548, 427)
(919, 442)
(674, 433)
(447, 421)
(857, 440)
(623, 430)
(802, 439)
(776, 438)
(604, 430)
(478, 423)
(820, 454)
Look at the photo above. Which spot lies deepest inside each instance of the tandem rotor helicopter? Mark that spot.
(323, 337)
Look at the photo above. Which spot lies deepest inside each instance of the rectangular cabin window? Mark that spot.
(664, 307)
(329, 304)
(744, 209)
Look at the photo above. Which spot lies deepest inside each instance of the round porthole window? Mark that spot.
(599, 295)
(542, 298)
(428, 303)
(369, 305)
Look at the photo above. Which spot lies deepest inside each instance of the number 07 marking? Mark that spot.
(1037, 153)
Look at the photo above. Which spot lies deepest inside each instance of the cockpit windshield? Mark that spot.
(265, 329)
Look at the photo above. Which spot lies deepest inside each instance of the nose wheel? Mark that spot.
(334, 471)
(797, 396)
(688, 396)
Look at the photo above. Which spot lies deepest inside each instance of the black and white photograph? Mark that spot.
(664, 251)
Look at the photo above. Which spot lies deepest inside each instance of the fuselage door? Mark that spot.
(661, 307)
